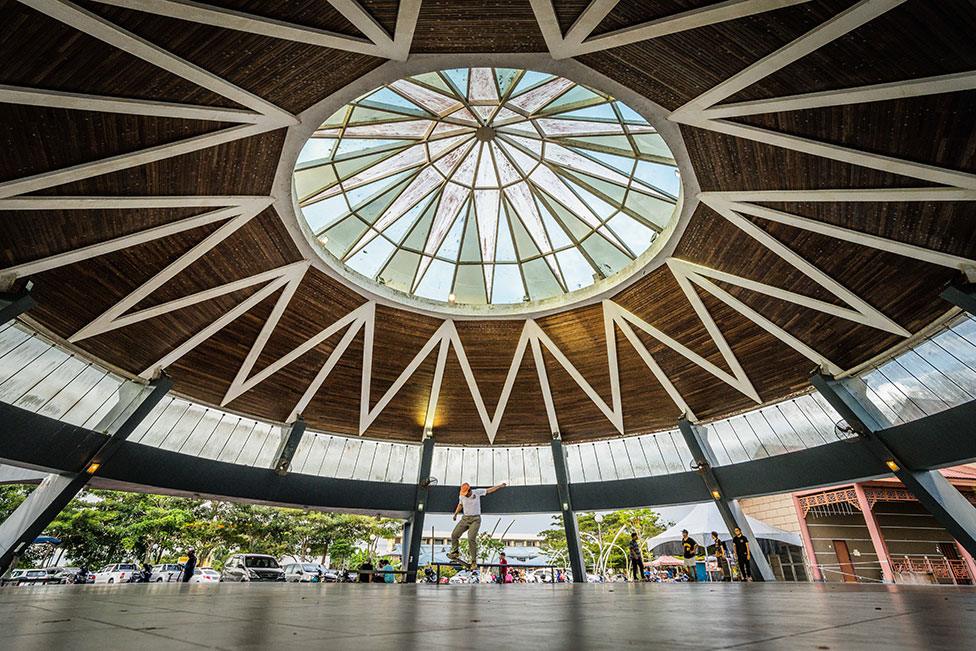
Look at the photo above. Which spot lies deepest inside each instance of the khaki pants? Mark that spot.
(471, 524)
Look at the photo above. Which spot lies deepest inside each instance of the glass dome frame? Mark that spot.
(287, 204)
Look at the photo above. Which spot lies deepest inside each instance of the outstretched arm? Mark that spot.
(457, 509)
(496, 487)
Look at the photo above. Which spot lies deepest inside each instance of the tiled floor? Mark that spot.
(714, 616)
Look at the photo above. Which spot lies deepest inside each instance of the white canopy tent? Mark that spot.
(705, 518)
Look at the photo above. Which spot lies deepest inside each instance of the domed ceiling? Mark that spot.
(486, 186)
(152, 194)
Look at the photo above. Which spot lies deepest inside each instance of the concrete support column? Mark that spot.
(811, 553)
(54, 492)
(573, 547)
(415, 526)
(880, 546)
(289, 446)
(15, 304)
(946, 504)
(730, 511)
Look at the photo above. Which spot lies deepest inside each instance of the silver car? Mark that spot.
(252, 567)
(303, 573)
(166, 572)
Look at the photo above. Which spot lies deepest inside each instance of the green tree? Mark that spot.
(343, 551)
(11, 496)
(605, 543)
(100, 527)
(488, 547)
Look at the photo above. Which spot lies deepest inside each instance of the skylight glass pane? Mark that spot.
(497, 185)
(507, 286)
(436, 283)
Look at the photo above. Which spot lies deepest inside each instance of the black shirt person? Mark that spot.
(366, 572)
(718, 550)
(636, 558)
(189, 566)
(689, 548)
(742, 554)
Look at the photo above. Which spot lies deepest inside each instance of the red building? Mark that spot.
(877, 531)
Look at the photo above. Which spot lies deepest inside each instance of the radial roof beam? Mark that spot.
(741, 202)
(682, 271)
(125, 105)
(244, 382)
(235, 206)
(327, 368)
(860, 311)
(737, 380)
(367, 415)
(74, 173)
(575, 42)
(828, 31)
(104, 30)
(491, 424)
(377, 43)
(954, 83)
(695, 112)
(108, 319)
(177, 353)
(543, 375)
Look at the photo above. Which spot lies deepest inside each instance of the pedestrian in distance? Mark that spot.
(636, 558)
(470, 503)
(366, 571)
(503, 568)
(387, 567)
(743, 555)
(689, 549)
(718, 550)
(190, 565)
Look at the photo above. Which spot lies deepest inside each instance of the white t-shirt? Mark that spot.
(472, 503)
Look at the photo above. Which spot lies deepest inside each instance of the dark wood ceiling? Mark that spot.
(916, 39)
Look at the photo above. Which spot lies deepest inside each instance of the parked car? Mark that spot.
(61, 574)
(303, 573)
(205, 575)
(166, 572)
(13, 577)
(331, 576)
(252, 567)
(117, 573)
(464, 576)
(540, 575)
(37, 576)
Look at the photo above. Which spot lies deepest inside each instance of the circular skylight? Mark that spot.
(486, 186)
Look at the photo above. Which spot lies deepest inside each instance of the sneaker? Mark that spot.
(455, 557)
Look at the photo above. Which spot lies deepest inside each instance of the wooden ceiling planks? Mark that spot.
(933, 129)
(315, 14)
(27, 235)
(487, 26)
(40, 52)
(917, 39)
(39, 135)
(288, 74)
(676, 68)
(239, 167)
(726, 163)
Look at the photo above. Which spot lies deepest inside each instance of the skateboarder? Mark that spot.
(469, 502)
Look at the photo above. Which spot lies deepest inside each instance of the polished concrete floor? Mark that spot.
(712, 616)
